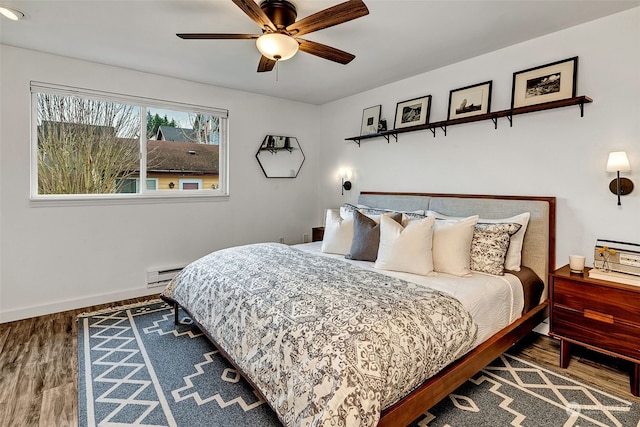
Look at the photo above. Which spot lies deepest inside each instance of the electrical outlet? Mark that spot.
(280, 239)
(305, 238)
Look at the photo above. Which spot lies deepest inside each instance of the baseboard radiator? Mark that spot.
(161, 276)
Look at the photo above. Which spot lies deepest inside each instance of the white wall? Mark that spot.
(58, 258)
(550, 153)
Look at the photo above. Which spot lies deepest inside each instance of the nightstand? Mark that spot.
(317, 234)
(597, 314)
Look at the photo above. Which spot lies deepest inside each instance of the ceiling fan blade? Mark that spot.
(254, 12)
(324, 51)
(266, 64)
(213, 36)
(326, 18)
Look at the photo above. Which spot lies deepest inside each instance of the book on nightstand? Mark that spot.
(614, 276)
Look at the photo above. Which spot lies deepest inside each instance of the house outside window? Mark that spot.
(132, 185)
(191, 184)
(95, 145)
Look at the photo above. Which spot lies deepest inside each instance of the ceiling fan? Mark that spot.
(280, 30)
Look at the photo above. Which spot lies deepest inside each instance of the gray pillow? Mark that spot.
(366, 237)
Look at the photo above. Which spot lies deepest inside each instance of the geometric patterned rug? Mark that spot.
(136, 368)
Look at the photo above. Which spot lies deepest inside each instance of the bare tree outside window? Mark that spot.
(85, 146)
(206, 128)
(91, 143)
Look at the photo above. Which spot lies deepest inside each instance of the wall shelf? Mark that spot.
(579, 101)
(274, 150)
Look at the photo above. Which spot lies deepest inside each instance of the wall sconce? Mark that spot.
(345, 176)
(11, 13)
(171, 184)
(619, 162)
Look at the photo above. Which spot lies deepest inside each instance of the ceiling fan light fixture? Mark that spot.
(13, 14)
(277, 46)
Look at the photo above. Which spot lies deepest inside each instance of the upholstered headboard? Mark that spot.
(538, 251)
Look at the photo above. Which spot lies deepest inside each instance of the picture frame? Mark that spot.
(413, 112)
(546, 83)
(370, 120)
(468, 101)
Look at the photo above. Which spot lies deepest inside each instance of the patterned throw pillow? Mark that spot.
(489, 247)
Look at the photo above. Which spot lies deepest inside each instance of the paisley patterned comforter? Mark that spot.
(327, 343)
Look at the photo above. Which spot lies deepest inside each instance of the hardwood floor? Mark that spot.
(39, 368)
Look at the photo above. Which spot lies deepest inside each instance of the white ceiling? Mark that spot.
(398, 39)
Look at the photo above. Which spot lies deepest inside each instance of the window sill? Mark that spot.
(120, 199)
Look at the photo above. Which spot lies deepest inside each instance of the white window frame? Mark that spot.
(144, 196)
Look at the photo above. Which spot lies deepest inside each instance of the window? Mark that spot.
(92, 144)
(132, 185)
(191, 184)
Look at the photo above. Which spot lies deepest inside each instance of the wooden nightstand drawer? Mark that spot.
(621, 305)
(598, 314)
(597, 329)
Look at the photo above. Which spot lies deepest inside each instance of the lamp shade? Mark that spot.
(345, 173)
(618, 162)
(277, 46)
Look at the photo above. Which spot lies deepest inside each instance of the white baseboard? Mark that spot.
(73, 304)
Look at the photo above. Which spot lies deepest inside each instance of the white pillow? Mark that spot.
(406, 248)
(452, 245)
(338, 233)
(514, 253)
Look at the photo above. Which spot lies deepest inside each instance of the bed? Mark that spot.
(331, 341)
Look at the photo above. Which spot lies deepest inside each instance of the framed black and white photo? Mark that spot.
(546, 83)
(470, 101)
(370, 120)
(413, 112)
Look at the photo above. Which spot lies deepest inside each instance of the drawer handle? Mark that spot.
(601, 317)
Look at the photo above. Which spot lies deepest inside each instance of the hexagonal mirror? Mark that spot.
(280, 156)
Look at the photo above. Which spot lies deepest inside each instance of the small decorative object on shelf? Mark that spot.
(603, 254)
(370, 120)
(616, 261)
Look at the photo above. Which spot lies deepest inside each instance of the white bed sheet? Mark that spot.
(493, 301)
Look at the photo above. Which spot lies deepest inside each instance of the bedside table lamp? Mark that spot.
(619, 162)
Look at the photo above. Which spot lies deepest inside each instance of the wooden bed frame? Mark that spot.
(439, 386)
(450, 378)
